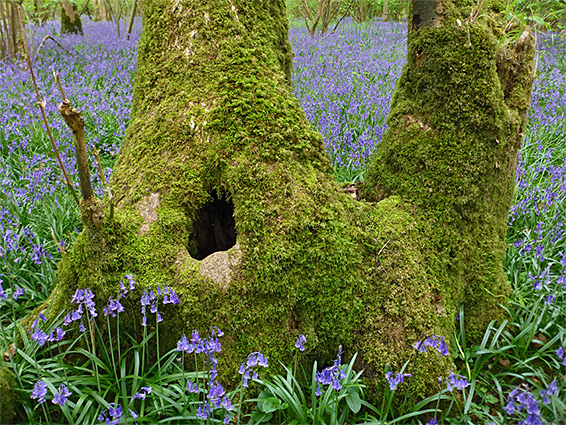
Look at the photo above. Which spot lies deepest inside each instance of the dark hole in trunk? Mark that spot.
(214, 228)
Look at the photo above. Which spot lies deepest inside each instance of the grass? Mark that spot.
(344, 82)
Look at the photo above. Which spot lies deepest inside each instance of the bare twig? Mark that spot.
(61, 249)
(84, 8)
(42, 108)
(48, 37)
(343, 16)
(132, 17)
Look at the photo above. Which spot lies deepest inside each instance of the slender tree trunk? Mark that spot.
(225, 193)
(385, 15)
(101, 11)
(132, 18)
(70, 19)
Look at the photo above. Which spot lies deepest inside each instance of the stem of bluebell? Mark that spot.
(111, 348)
(238, 414)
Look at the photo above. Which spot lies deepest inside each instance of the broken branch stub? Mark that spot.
(76, 123)
(90, 207)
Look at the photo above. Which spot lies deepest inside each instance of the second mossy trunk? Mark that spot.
(455, 130)
(224, 193)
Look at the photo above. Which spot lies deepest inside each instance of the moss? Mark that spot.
(455, 129)
(213, 111)
(7, 396)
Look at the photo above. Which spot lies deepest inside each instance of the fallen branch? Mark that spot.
(48, 37)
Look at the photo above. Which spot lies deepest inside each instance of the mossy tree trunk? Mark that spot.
(455, 130)
(70, 18)
(224, 192)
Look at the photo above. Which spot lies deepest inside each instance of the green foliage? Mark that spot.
(284, 400)
(544, 15)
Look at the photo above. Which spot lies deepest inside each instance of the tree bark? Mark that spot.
(101, 11)
(224, 192)
(70, 19)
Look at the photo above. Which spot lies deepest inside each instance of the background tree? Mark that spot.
(101, 11)
(224, 192)
(70, 18)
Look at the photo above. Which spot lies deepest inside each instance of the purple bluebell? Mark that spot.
(193, 388)
(300, 343)
(203, 411)
(17, 293)
(433, 341)
(395, 380)
(113, 415)
(456, 381)
(39, 336)
(39, 391)
(62, 395)
(332, 375)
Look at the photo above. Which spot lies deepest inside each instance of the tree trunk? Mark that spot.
(101, 11)
(70, 19)
(225, 193)
(455, 130)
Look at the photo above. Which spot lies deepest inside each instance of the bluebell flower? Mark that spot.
(3, 294)
(39, 391)
(253, 360)
(395, 380)
(456, 381)
(226, 419)
(39, 336)
(193, 388)
(227, 404)
(433, 341)
(17, 293)
(142, 393)
(183, 344)
(56, 335)
(332, 375)
(215, 394)
(203, 411)
(62, 395)
(300, 343)
(131, 281)
(113, 414)
(82, 327)
(433, 421)
(509, 408)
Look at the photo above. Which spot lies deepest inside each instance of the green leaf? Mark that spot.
(491, 399)
(269, 404)
(354, 402)
(260, 417)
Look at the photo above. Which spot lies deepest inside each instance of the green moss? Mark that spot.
(213, 111)
(455, 129)
(7, 396)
